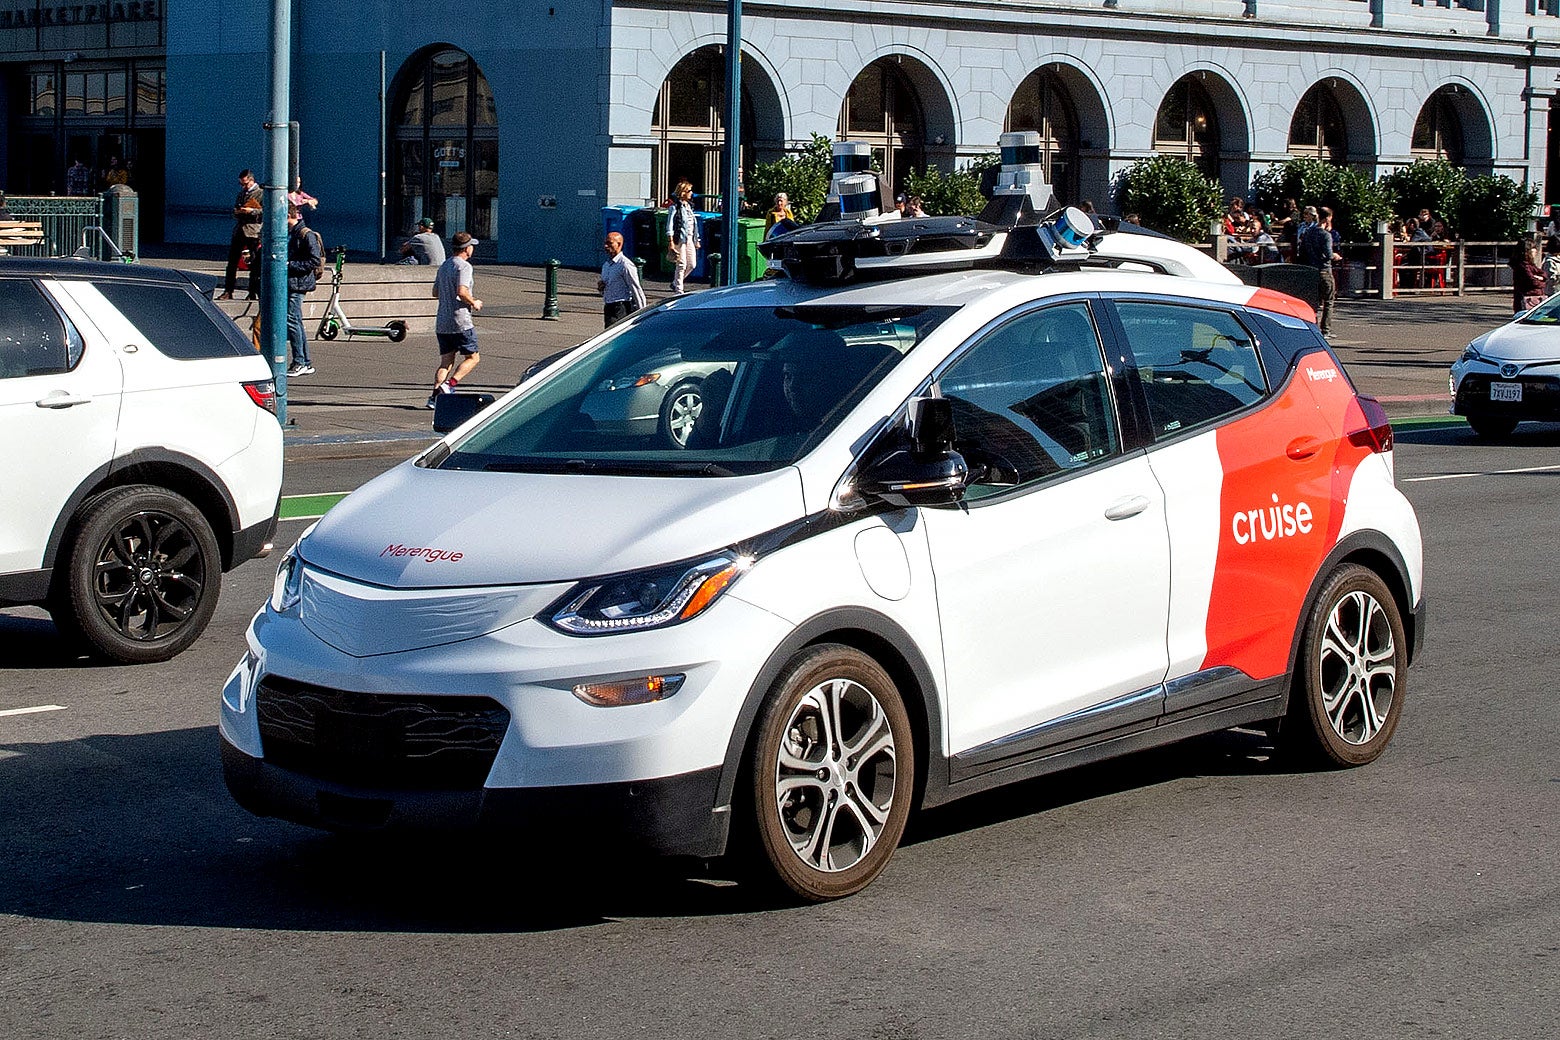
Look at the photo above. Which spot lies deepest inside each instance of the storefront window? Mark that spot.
(1043, 104)
(445, 155)
(689, 124)
(1438, 132)
(1318, 129)
(1188, 127)
(883, 110)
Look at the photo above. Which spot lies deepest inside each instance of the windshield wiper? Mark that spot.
(613, 467)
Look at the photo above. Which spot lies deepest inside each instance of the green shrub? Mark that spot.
(1432, 184)
(1310, 182)
(956, 194)
(803, 176)
(1171, 195)
(1359, 204)
(1495, 208)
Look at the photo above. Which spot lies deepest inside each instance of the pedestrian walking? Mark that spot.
(1551, 265)
(305, 264)
(682, 233)
(621, 293)
(1527, 278)
(1315, 249)
(425, 247)
(246, 233)
(456, 332)
(78, 179)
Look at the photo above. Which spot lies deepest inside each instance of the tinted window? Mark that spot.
(701, 391)
(1031, 399)
(1196, 365)
(175, 321)
(34, 339)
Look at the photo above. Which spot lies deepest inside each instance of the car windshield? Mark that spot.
(1546, 313)
(700, 391)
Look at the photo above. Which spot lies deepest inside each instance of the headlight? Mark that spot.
(1469, 353)
(629, 382)
(649, 598)
(287, 589)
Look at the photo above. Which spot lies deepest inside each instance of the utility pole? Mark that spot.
(273, 268)
(729, 200)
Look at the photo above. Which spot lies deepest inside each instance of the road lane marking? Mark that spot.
(309, 507)
(1482, 473)
(32, 711)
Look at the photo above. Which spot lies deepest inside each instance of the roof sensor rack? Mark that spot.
(1021, 229)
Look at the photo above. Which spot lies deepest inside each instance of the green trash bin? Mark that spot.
(751, 264)
(663, 241)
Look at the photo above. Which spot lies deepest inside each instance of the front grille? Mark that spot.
(389, 741)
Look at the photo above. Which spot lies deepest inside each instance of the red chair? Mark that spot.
(1435, 271)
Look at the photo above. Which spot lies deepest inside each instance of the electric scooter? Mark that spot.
(335, 320)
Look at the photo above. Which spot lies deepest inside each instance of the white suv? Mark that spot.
(142, 453)
(927, 534)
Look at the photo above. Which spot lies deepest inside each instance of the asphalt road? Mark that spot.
(1194, 891)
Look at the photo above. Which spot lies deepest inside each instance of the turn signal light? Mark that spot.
(629, 691)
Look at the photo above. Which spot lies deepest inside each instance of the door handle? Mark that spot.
(1302, 448)
(1124, 508)
(60, 399)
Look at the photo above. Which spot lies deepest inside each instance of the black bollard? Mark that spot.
(550, 302)
(714, 265)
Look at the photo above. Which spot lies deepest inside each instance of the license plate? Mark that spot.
(1505, 391)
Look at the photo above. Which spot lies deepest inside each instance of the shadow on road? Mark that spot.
(140, 829)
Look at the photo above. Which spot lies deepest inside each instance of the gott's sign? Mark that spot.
(47, 15)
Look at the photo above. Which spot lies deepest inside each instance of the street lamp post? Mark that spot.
(273, 268)
(733, 148)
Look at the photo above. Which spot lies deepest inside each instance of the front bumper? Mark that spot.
(1540, 391)
(674, 816)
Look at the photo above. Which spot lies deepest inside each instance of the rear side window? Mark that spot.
(175, 321)
(34, 339)
(1197, 365)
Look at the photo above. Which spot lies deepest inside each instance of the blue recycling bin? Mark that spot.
(616, 218)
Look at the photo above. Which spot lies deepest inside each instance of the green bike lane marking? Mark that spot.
(312, 507)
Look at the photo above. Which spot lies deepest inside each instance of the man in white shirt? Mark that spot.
(621, 293)
(456, 332)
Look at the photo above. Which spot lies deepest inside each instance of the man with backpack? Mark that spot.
(305, 267)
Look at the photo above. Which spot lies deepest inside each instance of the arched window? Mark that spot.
(1042, 103)
(1438, 132)
(690, 128)
(445, 164)
(1188, 127)
(883, 110)
(1318, 129)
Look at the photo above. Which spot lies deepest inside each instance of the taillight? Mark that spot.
(1371, 428)
(263, 393)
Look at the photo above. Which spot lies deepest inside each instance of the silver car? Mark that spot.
(660, 398)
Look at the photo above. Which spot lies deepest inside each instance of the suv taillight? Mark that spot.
(263, 393)
(1371, 429)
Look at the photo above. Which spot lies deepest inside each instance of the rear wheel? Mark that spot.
(397, 331)
(1348, 694)
(143, 575)
(832, 771)
(1492, 425)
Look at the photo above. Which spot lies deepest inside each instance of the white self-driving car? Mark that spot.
(1511, 374)
(928, 533)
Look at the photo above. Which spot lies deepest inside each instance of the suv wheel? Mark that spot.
(833, 771)
(143, 575)
(1353, 661)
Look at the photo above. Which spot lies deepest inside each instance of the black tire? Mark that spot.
(143, 575)
(826, 829)
(1351, 675)
(397, 331)
(680, 409)
(1492, 426)
(327, 330)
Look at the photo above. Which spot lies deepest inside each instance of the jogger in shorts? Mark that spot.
(457, 334)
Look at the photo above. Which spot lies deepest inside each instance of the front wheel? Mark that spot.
(680, 409)
(397, 331)
(143, 575)
(1491, 426)
(1349, 689)
(327, 329)
(833, 771)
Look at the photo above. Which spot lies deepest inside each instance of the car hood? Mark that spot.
(1518, 342)
(426, 528)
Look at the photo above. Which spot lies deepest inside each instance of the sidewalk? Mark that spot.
(367, 395)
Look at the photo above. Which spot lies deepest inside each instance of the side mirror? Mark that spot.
(450, 410)
(929, 472)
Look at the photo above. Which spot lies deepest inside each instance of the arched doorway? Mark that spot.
(1043, 103)
(1438, 132)
(1318, 129)
(689, 125)
(883, 110)
(445, 160)
(1188, 126)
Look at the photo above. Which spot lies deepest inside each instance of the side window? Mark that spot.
(1031, 399)
(1197, 365)
(34, 339)
(176, 322)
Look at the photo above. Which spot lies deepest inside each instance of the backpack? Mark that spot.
(319, 251)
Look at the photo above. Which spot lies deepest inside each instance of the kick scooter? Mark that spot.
(335, 320)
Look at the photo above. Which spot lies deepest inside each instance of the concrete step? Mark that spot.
(371, 294)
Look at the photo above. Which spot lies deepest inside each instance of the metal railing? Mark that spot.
(64, 219)
(1386, 268)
